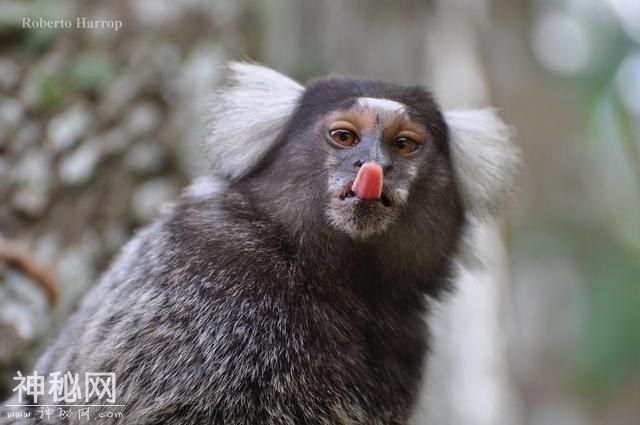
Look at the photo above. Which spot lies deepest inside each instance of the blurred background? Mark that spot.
(100, 127)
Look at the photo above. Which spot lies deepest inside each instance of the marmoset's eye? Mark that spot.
(343, 137)
(405, 146)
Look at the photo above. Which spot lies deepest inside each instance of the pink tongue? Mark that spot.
(368, 184)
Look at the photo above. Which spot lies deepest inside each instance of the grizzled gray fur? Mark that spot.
(275, 291)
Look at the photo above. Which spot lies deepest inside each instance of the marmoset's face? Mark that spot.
(376, 150)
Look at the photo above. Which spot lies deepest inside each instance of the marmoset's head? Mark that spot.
(363, 156)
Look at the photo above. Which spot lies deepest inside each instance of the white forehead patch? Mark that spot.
(380, 104)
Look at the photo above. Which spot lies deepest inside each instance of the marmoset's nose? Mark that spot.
(385, 169)
(381, 155)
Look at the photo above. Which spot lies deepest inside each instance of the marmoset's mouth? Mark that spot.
(347, 193)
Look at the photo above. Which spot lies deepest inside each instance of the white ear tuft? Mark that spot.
(248, 113)
(484, 158)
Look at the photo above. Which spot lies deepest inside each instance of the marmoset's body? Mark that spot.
(290, 288)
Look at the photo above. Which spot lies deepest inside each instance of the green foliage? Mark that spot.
(37, 40)
(610, 353)
(50, 92)
(90, 72)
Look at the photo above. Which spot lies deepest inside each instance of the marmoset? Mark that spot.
(291, 285)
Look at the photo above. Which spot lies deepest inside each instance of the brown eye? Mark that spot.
(405, 146)
(343, 137)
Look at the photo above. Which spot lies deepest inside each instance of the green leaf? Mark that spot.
(90, 72)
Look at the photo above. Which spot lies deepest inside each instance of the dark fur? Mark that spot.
(249, 308)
